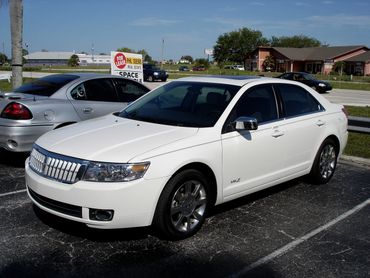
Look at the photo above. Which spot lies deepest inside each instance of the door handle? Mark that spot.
(87, 110)
(320, 123)
(277, 133)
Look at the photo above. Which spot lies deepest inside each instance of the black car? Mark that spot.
(306, 78)
(152, 73)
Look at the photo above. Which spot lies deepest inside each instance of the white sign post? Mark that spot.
(128, 65)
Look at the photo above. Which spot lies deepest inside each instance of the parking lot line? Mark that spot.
(300, 240)
(13, 192)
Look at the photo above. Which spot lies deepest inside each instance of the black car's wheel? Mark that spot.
(164, 79)
(183, 204)
(313, 88)
(150, 78)
(325, 162)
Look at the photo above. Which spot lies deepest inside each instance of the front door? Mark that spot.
(252, 158)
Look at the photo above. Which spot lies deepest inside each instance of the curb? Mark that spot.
(355, 159)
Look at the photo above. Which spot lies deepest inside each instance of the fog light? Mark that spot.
(101, 214)
(12, 144)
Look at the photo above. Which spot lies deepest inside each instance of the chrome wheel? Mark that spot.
(188, 206)
(327, 162)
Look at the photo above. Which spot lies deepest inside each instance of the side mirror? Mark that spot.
(245, 123)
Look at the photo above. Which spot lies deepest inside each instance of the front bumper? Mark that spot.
(133, 203)
(21, 138)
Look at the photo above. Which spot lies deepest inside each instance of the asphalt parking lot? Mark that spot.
(292, 230)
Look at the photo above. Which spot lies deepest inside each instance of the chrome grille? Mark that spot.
(57, 167)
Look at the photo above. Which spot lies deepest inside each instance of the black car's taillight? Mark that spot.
(16, 111)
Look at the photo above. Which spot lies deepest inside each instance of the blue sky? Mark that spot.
(187, 27)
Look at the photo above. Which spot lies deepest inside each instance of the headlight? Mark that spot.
(155, 73)
(115, 172)
(322, 85)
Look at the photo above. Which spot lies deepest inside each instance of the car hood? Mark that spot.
(111, 139)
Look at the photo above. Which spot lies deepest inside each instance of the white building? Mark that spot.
(87, 59)
(49, 58)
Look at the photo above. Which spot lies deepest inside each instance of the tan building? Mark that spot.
(359, 65)
(308, 59)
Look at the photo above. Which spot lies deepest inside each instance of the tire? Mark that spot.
(150, 78)
(325, 162)
(313, 88)
(164, 79)
(182, 206)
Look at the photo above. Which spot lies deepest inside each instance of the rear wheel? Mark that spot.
(150, 78)
(183, 205)
(325, 162)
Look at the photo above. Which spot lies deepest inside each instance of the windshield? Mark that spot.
(189, 104)
(309, 77)
(46, 86)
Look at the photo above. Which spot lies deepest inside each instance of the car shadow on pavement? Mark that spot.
(242, 201)
(81, 230)
(110, 235)
(14, 159)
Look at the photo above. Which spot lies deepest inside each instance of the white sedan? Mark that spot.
(186, 146)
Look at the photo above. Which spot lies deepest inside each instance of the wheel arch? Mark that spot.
(336, 141)
(207, 172)
(337, 149)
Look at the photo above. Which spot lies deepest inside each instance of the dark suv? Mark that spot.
(152, 73)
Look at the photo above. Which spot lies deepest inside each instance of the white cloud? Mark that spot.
(301, 4)
(328, 2)
(341, 20)
(152, 21)
(258, 4)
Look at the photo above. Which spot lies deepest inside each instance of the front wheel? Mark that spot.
(183, 205)
(150, 78)
(325, 162)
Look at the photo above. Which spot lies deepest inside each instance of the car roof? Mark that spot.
(87, 74)
(239, 80)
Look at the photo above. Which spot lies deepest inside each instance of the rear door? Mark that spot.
(94, 98)
(304, 125)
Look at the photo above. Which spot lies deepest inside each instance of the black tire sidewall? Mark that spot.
(162, 218)
(315, 175)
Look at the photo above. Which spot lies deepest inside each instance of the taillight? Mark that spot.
(16, 111)
(344, 110)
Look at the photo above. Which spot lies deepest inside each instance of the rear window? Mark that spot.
(47, 85)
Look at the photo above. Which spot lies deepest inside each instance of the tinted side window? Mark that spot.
(297, 101)
(95, 90)
(258, 102)
(129, 91)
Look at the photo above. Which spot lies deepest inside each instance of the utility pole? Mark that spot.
(162, 53)
(92, 51)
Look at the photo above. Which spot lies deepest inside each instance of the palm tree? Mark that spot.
(16, 31)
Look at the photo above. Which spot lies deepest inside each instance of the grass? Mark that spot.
(358, 111)
(5, 86)
(358, 145)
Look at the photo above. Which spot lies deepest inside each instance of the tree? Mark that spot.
(125, 49)
(298, 41)
(73, 61)
(187, 58)
(202, 62)
(236, 46)
(338, 67)
(146, 57)
(269, 63)
(16, 32)
(3, 58)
